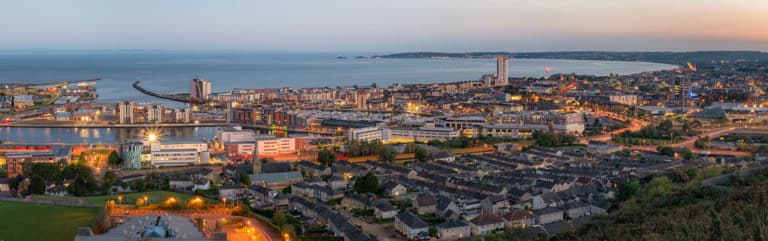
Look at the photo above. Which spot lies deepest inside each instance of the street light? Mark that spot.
(120, 198)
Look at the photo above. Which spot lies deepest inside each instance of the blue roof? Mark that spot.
(276, 177)
(155, 232)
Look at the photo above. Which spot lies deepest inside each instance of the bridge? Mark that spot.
(176, 97)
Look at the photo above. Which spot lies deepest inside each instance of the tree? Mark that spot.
(367, 184)
(627, 190)
(245, 179)
(26, 167)
(665, 151)
(387, 155)
(84, 182)
(106, 182)
(326, 157)
(289, 231)
(13, 183)
(50, 172)
(278, 218)
(114, 160)
(421, 154)
(686, 127)
(81, 159)
(687, 153)
(3, 173)
(37, 185)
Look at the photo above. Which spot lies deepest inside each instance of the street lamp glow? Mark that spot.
(152, 137)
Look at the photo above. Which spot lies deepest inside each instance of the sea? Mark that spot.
(171, 71)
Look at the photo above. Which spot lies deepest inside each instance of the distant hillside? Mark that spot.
(699, 57)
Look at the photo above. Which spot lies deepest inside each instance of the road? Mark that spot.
(634, 125)
(690, 142)
(251, 230)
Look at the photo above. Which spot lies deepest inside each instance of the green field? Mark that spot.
(155, 197)
(31, 222)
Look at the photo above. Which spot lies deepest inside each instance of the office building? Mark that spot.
(365, 134)
(130, 152)
(424, 134)
(271, 147)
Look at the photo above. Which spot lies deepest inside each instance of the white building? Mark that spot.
(236, 141)
(155, 114)
(418, 134)
(365, 134)
(125, 112)
(522, 124)
(183, 115)
(178, 153)
(402, 134)
(234, 134)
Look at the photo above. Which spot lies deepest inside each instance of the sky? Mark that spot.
(386, 25)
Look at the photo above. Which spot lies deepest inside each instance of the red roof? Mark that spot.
(518, 214)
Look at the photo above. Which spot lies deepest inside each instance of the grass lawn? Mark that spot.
(154, 197)
(31, 222)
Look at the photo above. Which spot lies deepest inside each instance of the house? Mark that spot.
(550, 199)
(486, 223)
(599, 208)
(302, 189)
(411, 226)
(4, 185)
(384, 210)
(452, 230)
(201, 184)
(354, 201)
(58, 190)
(496, 204)
(229, 191)
(262, 193)
(447, 208)
(548, 215)
(325, 194)
(576, 210)
(602, 148)
(180, 184)
(314, 169)
(337, 183)
(394, 189)
(444, 156)
(425, 204)
(519, 218)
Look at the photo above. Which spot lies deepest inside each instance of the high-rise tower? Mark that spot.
(199, 89)
(502, 70)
